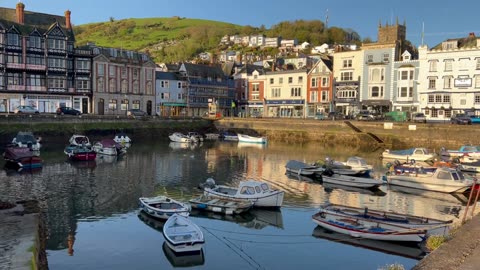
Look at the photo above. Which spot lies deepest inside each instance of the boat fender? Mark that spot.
(412, 161)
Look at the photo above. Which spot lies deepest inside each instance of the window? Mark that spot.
(280, 80)
(272, 80)
(431, 83)
(112, 87)
(255, 87)
(112, 104)
(300, 79)
(346, 76)
(433, 66)
(164, 84)
(149, 75)
(123, 72)
(135, 87)
(346, 94)
(124, 86)
(82, 63)
(56, 63)
(447, 82)
(431, 98)
(149, 88)
(276, 92)
(403, 92)
(124, 105)
(296, 92)
(34, 42)
(404, 75)
(83, 84)
(377, 75)
(111, 71)
(376, 92)
(179, 85)
(35, 80)
(438, 98)
(448, 65)
(101, 70)
(314, 82)
(56, 44)
(369, 58)
(477, 81)
(135, 73)
(290, 79)
(386, 57)
(14, 58)
(434, 112)
(13, 39)
(347, 63)
(325, 82)
(446, 98)
(56, 83)
(477, 98)
(14, 79)
(314, 96)
(324, 96)
(100, 85)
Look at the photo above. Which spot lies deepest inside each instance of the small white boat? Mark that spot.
(182, 235)
(415, 154)
(444, 179)
(365, 228)
(228, 136)
(179, 260)
(301, 168)
(219, 205)
(251, 139)
(163, 207)
(179, 137)
(80, 140)
(109, 147)
(254, 191)
(353, 166)
(122, 138)
(352, 181)
(433, 226)
(470, 150)
(26, 139)
(195, 137)
(212, 136)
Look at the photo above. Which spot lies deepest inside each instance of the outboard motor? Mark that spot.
(209, 183)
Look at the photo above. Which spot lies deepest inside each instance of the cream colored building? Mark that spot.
(449, 78)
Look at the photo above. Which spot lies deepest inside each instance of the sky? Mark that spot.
(438, 20)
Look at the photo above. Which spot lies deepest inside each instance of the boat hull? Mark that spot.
(352, 181)
(168, 207)
(182, 235)
(227, 207)
(251, 139)
(271, 199)
(427, 182)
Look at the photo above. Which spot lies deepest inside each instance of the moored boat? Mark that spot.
(257, 192)
(80, 140)
(301, 168)
(444, 179)
(415, 154)
(122, 138)
(352, 166)
(431, 225)
(348, 180)
(109, 147)
(182, 235)
(218, 205)
(21, 157)
(470, 150)
(80, 153)
(179, 137)
(27, 139)
(163, 207)
(365, 228)
(251, 139)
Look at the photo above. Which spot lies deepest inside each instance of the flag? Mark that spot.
(233, 104)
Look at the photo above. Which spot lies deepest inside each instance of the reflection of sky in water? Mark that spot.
(95, 204)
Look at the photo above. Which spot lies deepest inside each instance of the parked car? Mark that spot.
(419, 118)
(136, 112)
(336, 116)
(26, 109)
(365, 116)
(461, 119)
(475, 119)
(68, 110)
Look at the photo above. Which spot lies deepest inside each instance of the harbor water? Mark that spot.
(93, 219)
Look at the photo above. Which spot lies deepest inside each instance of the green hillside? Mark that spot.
(179, 39)
(166, 39)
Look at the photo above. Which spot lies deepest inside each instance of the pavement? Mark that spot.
(18, 232)
(462, 252)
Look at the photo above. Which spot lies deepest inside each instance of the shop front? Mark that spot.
(286, 108)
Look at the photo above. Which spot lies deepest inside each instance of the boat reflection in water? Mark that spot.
(252, 145)
(106, 159)
(83, 164)
(152, 222)
(329, 187)
(254, 218)
(405, 249)
(184, 145)
(184, 259)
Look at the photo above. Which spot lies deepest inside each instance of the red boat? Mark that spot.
(22, 157)
(75, 152)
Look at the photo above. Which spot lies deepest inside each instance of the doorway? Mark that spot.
(101, 106)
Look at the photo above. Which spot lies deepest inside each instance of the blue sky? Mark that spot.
(441, 19)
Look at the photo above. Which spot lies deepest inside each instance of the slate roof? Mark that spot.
(249, 69)
(171, 76)
(466, 42)
(204, 71)
(33, 20)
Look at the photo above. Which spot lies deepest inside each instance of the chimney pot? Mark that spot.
(68, 23)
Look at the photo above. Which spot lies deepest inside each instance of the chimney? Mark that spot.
(20, 13)
(68, 23)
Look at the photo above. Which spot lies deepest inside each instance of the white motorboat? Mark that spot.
(251, 139)
(122, 138)
(348, 180)
(301, 168)
(366, 228)
(182, 235)
(353, 166)
(163, 207)
(469, 150)
(257, 192)
(26, 139)
(219, 205)
(195, 137)
(415, 154)
(80, 140)
(444, 179)
(179, 137)
(109, 147)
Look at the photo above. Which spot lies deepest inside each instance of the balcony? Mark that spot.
(16, 87)
(15, 66)
(36, 67)
(36, 88)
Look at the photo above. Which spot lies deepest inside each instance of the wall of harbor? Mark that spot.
(390, 134)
